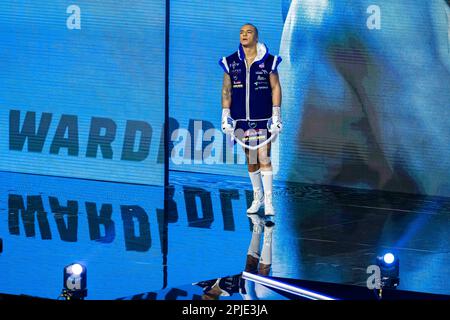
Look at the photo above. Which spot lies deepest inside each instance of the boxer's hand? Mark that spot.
(275, 125)
(227, 125)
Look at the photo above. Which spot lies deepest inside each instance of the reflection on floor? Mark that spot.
(130, 246)
(322, 233)
(47, 223)
(233, 287)
(240, 287)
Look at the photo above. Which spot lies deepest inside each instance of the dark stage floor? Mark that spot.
(121, 233)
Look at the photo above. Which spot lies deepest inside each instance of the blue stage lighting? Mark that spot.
(76, 269)
(388, 258)
(389, 266)
(75, 282)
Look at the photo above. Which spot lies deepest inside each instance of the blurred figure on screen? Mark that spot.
(367, 94)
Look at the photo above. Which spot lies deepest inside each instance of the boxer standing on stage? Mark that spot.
(251, 93)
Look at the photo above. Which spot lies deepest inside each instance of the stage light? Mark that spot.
(75, 282)
(389, 266)
(388, 258)
(76, 269)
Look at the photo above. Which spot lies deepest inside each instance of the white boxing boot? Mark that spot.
(258, 193)
(258, 201)
(268, 206)
(267, 180)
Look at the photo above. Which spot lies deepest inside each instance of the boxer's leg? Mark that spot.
(254, 249)
(255, 177)
(267, 178)
(265, 262)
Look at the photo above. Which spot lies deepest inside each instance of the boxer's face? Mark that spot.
(248, 36)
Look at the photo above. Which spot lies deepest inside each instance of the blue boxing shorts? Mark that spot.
(252, 132)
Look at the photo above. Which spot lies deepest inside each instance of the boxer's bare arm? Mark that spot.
(226, 91)
(276, 89)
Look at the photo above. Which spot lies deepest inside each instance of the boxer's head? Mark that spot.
(248, 35)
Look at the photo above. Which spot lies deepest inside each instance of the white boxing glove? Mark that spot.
(227, 121)
(274, 124)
